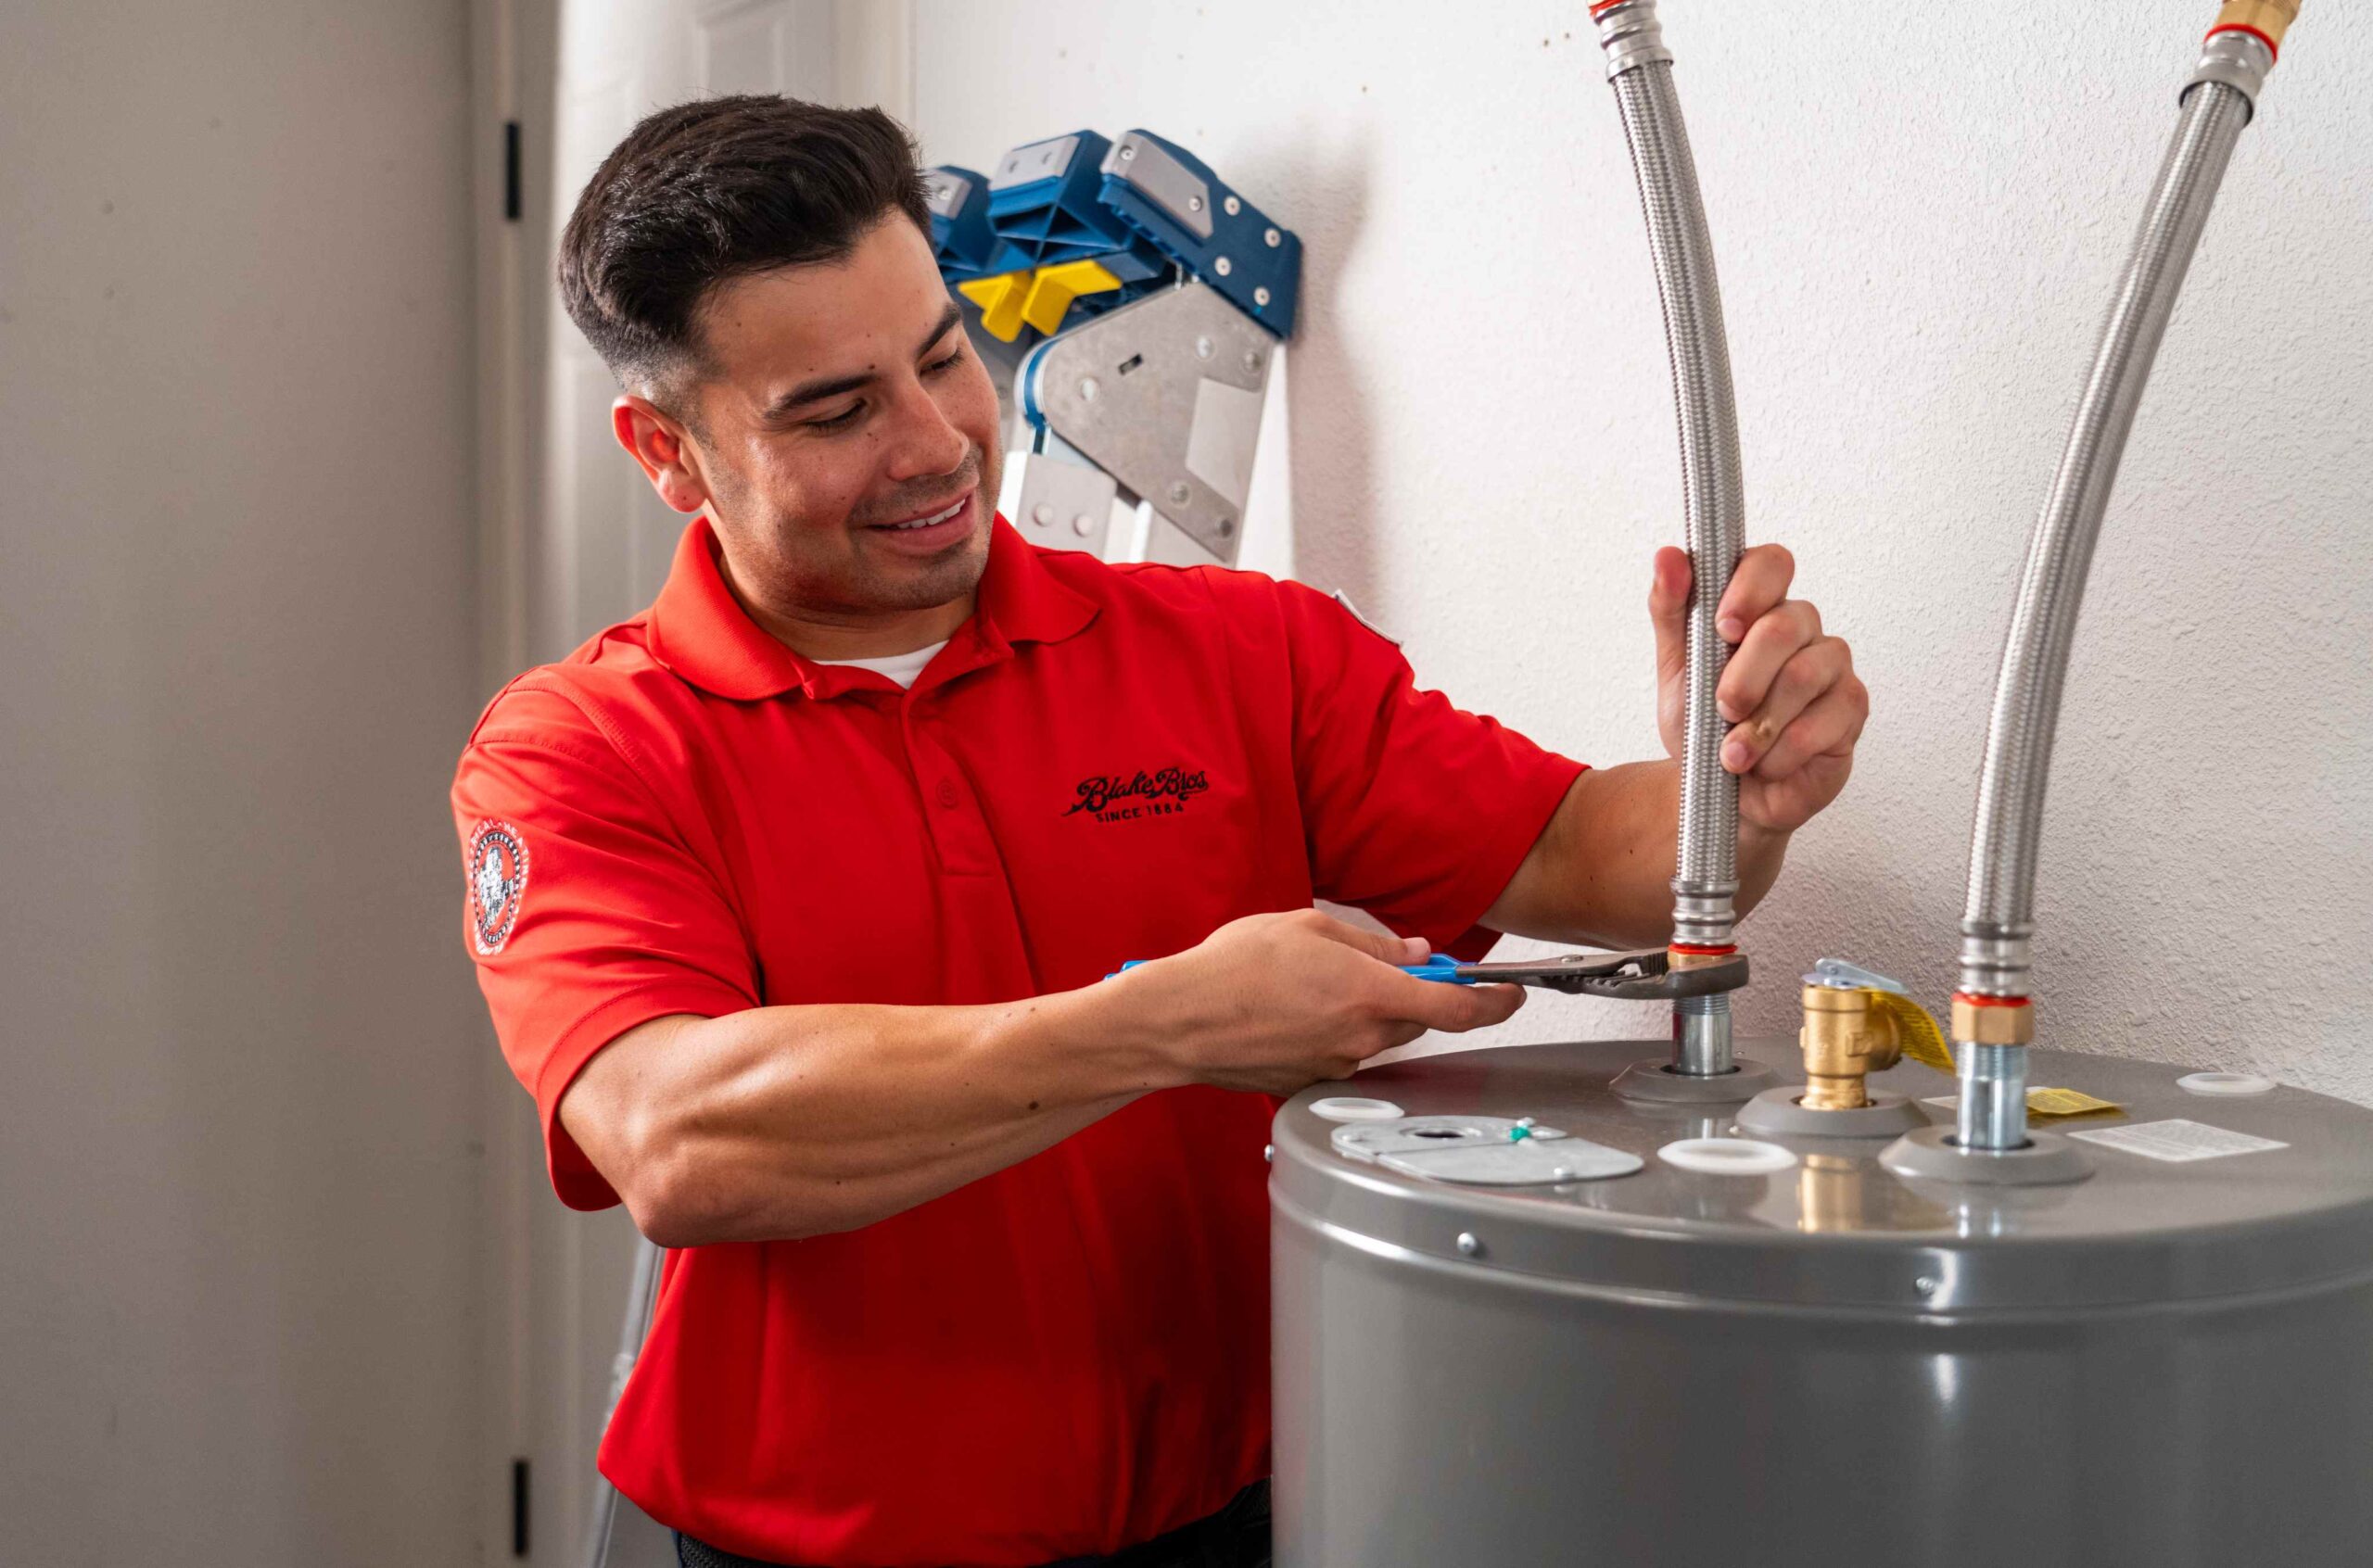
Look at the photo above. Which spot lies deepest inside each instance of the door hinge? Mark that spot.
(519, 1507)
(513, 198)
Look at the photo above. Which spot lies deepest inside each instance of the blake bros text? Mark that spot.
(1114, 797)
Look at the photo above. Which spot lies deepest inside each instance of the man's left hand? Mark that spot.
(1789, 689)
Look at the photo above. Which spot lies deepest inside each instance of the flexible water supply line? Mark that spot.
(1992, 1011)
(1706, 878)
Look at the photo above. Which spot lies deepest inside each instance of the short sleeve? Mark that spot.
(585, 910)
(1415, 810)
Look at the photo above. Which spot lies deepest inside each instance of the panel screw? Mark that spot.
(1083, 525)
(1252, 360)
(1260, 297)
(1088, 388)
(1128, 151)
(1179, 492)
(1194, 204)
(1227, 527)
(1202, 347)
(1274, 238)
(1043, 515)
(1924, 1285)
(1223, 265)
(1268, 1153)
(1469, 1245)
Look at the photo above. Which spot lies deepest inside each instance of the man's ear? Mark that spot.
(657, 442)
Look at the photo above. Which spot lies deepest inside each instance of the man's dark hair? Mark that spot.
(710, 191)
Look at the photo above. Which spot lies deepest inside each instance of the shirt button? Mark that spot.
(947, 796)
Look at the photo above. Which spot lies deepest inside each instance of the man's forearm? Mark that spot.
(781, 1122)
(1601, 872)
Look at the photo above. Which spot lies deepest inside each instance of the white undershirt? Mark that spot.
(900, 667)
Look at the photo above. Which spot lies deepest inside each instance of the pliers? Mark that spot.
(1645, 975)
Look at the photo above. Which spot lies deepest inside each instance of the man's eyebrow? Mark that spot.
(834, 386)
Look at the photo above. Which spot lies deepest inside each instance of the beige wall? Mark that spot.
(238, 1046)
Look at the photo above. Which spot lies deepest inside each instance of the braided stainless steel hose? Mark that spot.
(1992, 1014)
(1706, 876)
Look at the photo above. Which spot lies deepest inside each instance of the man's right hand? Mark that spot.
(1273, 1003)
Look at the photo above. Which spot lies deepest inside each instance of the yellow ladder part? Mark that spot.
(1052, 291)
(1001, 300)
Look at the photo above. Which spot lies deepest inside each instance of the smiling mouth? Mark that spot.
(933, 521)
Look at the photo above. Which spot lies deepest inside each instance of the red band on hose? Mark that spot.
(1694, 950)
(1991, 1001)
(2271, 46)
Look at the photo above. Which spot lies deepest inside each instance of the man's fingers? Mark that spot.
(1808, 676)
(1668, 608)
(1454, 1009)
(1760, 582)
(1771, 643)
(1380, 945)
(1830, 726)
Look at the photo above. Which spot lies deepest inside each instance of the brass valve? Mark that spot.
(1848, 1034)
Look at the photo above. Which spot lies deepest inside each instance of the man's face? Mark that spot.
(846, 434)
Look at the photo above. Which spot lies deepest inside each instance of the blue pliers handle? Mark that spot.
(1440, 967)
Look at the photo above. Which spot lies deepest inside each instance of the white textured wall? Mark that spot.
(239, 1053)
(1918, 212)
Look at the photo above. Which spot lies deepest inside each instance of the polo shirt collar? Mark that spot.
(702, 632)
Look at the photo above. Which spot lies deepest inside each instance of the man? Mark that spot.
(794, 899)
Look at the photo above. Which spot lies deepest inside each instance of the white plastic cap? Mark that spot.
(1350, 1108)
(2223, 1083)
(1727, 1157)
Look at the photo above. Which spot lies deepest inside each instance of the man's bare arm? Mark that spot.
(1601, 872)
(781, 1122)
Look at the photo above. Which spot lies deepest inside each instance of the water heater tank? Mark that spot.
(1816, 1362)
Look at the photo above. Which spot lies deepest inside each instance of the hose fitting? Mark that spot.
(2264, 19)
(2239, 58)
(1630, 34)
(1991, 1035)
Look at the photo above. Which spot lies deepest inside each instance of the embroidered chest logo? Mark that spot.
(1116, 797)
(498, 881)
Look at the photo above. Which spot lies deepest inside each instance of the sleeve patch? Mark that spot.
(498, 873)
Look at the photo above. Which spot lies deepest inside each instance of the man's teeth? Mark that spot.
(925, 522)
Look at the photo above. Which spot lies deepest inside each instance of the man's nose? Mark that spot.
(923, 442)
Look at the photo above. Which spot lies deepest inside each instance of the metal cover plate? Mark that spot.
(1129, 389)
(1038, 161)
(1373, 1140)
(1173, 186)
(1526, 1164)
(943, 193)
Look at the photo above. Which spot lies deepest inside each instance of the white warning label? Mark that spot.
(2178, 1139)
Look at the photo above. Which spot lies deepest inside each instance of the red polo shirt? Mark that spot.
(1105, 762)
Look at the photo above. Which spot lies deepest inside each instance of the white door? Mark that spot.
(577, 542)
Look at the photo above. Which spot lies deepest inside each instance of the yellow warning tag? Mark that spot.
(1923, 1040)
(2067, 1102)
